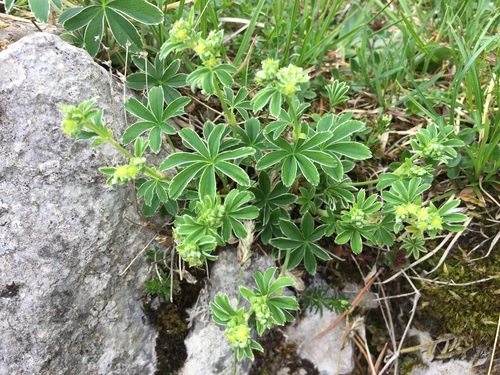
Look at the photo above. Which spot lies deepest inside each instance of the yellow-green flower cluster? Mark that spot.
(208, 49)
(211, 214)
(73, 120)
(262, 313)
(268, 72)
(182, 31)
(238, 334)
(124, 173)
(419, 217)
(408, 169)
(434, 151)
(289, 79)
(418, 171)
(190, 252)
(357, 217)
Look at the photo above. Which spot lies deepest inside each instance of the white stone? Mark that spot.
(63, 237)
(328, 353)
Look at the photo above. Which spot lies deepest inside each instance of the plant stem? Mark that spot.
(148, 171)
(285, 263)
(231, 119)
(366, 183)
(296, 123)
(153, 173)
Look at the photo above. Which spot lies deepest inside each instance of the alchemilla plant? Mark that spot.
(271, 160)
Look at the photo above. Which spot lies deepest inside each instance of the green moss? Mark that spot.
(407, 366)
(170, 321)
(469, 311)
(278, 354)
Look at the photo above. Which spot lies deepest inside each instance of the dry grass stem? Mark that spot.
(354, 303)
(420, 260)
(396, 355)
(450, 246)
(494, 346)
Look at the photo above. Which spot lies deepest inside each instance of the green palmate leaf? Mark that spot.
(300, 156)
(93, 34)
(140, 110)
(180, 181)
(263, 97)
(152, 189)
(235, 211)
(337, 93)
(352, 150)
(139, 10)
(224, 73)
(40, 9)
(123, 30)
(234, 172)
(308, 169)
(207, 185)
(301, 243)
(193, 141)
(404, 192)
(113, 13)
(155, 139)
(136, 130)
(238, 102)
(289, 170)
(79, 17)
(339, 145)
(308, 200)
(158, 74)
(208, 161)
(268, 198)
(155, 117)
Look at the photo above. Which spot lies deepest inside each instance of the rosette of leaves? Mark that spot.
(100, 15)
(159, 73)
(300, 242)
(154, 117)
(237, 330)
(236, 210)
(436, 142)
(251, 136)
(339, 145)
(270, 200)
(269, 307)
(298, 158)
(208, 78)
(404, 203)
(402, 194)
(359, 221)
(212, 218)
(210, 158)
(205, 220)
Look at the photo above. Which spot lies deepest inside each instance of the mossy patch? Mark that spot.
(279, 354)
(171, 321)
(470, 311)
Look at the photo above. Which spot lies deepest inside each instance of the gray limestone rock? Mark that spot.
(329, 353)
(64, 309)
(209, 353)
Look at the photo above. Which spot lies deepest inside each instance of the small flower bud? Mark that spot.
(289, 79)
(238, 335)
